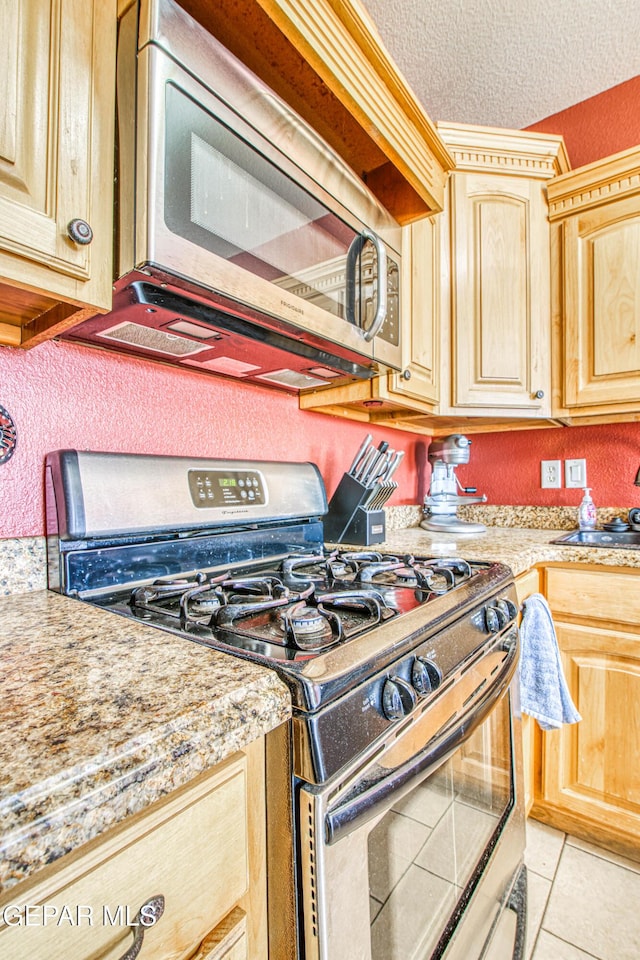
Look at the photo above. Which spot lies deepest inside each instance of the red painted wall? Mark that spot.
(599, 126)
(507, 467)
(65, 395)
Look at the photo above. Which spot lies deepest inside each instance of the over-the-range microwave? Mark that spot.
(245, 245)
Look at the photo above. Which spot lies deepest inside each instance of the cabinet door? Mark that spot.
(590, 770)
(601, 256)
(421, 312)
(500, 299)
(57, 85)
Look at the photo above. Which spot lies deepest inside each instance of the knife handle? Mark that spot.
(363, 447)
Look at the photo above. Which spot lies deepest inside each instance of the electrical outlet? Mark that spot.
(551, 474)
(575, 473)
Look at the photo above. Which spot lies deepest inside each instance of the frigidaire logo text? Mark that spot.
(291, 306)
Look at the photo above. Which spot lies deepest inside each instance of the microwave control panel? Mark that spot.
(224, 488)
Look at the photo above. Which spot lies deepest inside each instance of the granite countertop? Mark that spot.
(519, 548)
(101, 716)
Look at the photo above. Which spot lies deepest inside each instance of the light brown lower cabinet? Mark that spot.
(202, 849)
(590, 771)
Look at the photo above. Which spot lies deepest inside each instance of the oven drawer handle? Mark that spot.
(366, 805)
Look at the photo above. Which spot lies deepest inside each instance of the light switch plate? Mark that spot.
(551, 474)
(575, 473)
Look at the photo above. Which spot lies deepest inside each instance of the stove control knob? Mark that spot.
(398, 698)
(425, 676)
(508, 607)
(495, 618)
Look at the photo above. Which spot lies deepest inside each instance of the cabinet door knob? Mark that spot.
(80, 231)
(539, 395)
(147, 916)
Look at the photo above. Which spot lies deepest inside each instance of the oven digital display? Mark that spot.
(221, 488)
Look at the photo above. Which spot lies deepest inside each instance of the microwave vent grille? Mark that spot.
(146, 338)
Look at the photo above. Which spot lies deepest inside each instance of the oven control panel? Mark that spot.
(438, 682)
(226, 488)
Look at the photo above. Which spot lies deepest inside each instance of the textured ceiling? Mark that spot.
(509, 63)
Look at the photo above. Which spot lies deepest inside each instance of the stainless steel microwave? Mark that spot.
(245, 245)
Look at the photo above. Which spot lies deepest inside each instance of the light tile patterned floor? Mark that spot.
(584, 902)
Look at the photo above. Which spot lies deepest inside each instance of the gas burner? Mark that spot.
(302, 618)
(431, 577)
(309, 619)
(308, 628)
(369, 603)
(189, 600)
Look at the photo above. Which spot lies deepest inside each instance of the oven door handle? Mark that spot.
(359, 809)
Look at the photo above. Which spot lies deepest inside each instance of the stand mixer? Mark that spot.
(443, 499)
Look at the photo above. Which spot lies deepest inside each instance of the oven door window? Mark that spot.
(426, 854)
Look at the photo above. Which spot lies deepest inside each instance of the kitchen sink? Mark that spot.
(623, 539)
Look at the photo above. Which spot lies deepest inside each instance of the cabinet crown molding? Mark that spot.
(341, 43)
(596, 183)
(494, 149)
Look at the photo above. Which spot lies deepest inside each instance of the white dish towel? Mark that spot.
(543, 689)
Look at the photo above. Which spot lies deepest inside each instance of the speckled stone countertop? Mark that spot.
(101, 716)
(518, 548)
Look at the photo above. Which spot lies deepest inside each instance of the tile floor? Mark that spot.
(584, 902)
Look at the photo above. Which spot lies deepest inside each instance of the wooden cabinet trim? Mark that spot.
(325, 58)
(595, 184)
(518, 153)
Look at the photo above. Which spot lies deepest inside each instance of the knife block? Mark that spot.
(348, 520)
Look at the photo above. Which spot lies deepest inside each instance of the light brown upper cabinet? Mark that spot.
(595, 214)
(496, 327)
(57, 87)
(476, 300)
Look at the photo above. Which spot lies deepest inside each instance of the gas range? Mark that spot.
(230, 554)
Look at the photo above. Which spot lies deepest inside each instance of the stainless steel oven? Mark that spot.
(395, 821)
(417, 853)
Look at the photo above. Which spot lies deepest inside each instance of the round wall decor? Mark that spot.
(8, 435)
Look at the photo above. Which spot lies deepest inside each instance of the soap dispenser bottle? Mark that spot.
(587, 511)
